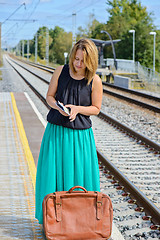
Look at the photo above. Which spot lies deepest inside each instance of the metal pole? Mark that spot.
(133, 31)
(113, 49)
(154, 44)
(28, 50)
(134, 46)
(19, 48)
(74, 29)
(36, 49)
(47, 46)
(23, 48)
(154, 49)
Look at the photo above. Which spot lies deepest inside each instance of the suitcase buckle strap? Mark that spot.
(99, 202)
(59, 204)
(58, 207)
(99, 205)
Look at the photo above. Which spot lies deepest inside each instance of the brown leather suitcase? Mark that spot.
(77, 215)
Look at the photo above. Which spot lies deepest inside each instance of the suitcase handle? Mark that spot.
(72, 189)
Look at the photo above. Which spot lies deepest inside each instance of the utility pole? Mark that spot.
(19, 48)
(74, 28)
(28, 50)
(47, 46)
(16, 50)
(0, 46)
(36, 49)
(23, 48)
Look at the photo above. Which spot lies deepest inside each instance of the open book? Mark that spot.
(63, 108)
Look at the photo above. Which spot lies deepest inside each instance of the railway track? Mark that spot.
(149, 126)
(138, 98)
(133, 174)
(146, 101)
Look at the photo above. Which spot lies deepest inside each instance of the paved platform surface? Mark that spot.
(17, 178)
(21, 131)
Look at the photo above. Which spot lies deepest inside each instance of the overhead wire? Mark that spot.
(69, 16)
(9, 29)
(59, 20)
(14, 12)
(30, 15)
(25, 20)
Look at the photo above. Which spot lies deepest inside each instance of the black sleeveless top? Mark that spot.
(71, 91)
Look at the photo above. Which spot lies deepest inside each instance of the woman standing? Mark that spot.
(68, 154)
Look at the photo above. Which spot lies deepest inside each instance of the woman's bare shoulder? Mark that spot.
(97, 80)
(58, 69)
(56, 73)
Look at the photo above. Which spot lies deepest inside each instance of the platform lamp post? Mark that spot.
(133, 31)
(113, 49)
(65, 57)
(154, 48)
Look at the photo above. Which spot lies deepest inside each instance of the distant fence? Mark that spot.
(130, 66)
(147, 73)
(122, 64)
(150, 79)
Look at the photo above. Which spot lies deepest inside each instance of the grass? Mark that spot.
(41, 61)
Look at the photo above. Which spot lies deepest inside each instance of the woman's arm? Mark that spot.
(52, 89)
(94, 109)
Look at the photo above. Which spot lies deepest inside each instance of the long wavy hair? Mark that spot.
(90, 53)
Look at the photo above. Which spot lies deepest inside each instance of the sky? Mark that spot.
(21, 19)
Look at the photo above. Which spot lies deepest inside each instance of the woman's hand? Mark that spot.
(61, 111)
(73, 111)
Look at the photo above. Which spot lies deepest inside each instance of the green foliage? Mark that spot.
(124, 15)
(59, 42)
(62, 43)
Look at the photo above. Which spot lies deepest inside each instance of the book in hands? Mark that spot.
(63, 108)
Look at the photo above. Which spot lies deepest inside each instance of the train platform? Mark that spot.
(22, 128)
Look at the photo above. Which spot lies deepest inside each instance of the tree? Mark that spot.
(126, 15)
(41, 39)
(61, 42)
(54, 33)
(93, 29)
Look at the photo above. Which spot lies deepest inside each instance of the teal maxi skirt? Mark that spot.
(67, 158)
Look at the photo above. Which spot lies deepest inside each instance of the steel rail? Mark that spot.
(141, 200)
(32, 87)
(107, 117)
(47, 68)
(38, 65)
(41, 78)
(144, 139)
(144, 105)
(141, 94)
(111, 119)
(51, 70)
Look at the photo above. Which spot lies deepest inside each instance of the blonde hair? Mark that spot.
(90, 53)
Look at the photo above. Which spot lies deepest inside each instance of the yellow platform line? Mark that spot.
(24, 141)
